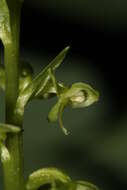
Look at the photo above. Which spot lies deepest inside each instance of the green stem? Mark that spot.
(13, 167)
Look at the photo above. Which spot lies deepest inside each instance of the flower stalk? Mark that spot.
(10, 27)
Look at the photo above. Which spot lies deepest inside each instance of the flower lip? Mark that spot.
(79, 97)
(82, 95)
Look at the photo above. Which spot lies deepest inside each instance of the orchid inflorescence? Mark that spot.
(45, 85)
(16, 79)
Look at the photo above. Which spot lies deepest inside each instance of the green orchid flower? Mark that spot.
(79, 95)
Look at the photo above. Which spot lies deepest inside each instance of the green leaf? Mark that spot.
(38, 84)
(79, 95)
(41, 80)
(46, 176)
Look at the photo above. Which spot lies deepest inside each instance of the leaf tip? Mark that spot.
(67, 48)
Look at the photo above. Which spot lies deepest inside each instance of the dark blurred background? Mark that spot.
(96, 148)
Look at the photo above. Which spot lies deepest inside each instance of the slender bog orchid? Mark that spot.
(16, 79)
